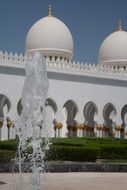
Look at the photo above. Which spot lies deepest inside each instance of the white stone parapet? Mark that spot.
(61, 64)
(12, 58)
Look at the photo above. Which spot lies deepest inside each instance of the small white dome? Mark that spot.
(113, 50)
(51, 37)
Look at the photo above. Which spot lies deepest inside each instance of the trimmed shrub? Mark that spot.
(72, 153)
(74, 149)
(6, 156)
(113, 152)
(8, 145)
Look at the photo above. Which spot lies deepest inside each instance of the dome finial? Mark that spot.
(120, 25)
(50, 10)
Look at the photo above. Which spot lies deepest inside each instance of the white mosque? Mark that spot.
(84, 100)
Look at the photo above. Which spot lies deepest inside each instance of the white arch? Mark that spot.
(19, 107)
(124, 115)
(89, 111)
(71, 110)
(109, 112)
(50, 102)
(51, 109)
(5, 105)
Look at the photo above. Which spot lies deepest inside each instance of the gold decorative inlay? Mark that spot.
(50, 10)
(58, 125)
(120, 27)
(9, 124)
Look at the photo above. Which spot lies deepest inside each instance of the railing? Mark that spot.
(64, 64)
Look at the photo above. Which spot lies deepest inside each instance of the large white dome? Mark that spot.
(113, 50)
(51, 37)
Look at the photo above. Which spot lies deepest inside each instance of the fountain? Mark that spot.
(30, 127)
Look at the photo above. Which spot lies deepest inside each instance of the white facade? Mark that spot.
(83, 99)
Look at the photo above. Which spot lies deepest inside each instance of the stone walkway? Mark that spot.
(69, 181)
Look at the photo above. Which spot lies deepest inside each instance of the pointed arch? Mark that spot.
(50, 102)
(124, 115)
(89, 111)
(19, 107)
(4, 101)
(109, 111)
(71, 110)
(51, 109)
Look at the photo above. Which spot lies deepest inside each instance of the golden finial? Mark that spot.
(120, 25)
(50, 11)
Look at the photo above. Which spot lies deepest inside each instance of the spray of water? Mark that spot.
(30, 127)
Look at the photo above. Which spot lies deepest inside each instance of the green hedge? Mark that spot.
(88, 141)
(87, 149)
(74, 149)
(113, 152)
(6, 156)
(73, 153)
(8, 145)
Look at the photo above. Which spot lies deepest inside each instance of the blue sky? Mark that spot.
(89, 21)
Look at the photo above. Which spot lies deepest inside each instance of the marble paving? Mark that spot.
(68, 181)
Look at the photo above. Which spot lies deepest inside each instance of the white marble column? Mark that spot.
(99, 121)
(60, 117)
(118, 121)
(79, 116)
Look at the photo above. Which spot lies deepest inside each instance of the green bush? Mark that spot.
(100, 148)
(113, 152)
(8, 145)
(72, 153)
(6, 156)
(74, 149)
(87, 141)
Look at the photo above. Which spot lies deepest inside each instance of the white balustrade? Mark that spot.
(64, 64)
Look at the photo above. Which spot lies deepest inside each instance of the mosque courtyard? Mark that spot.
(69, 181)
